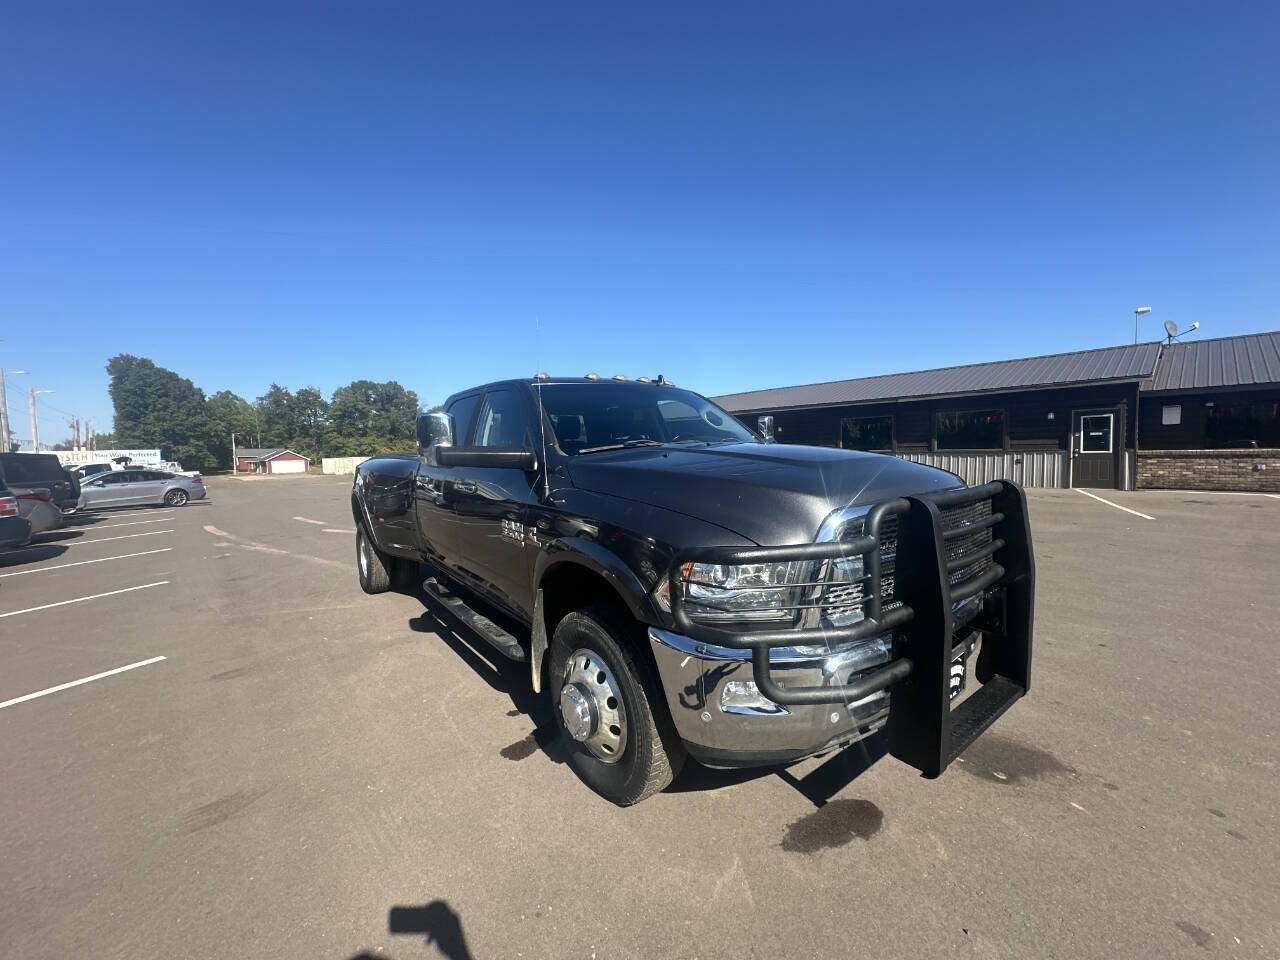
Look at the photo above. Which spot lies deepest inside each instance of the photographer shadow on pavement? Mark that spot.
(437, 921)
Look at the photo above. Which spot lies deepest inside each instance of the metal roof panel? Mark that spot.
(1133, 362)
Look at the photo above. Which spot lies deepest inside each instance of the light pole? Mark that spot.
(32, 393)
(5, 434)
(1136, 314)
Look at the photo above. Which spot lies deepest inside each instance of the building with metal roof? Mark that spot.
(1204, 413)
(1107, 365)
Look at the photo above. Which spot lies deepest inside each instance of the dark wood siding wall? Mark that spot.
(1027, 423)
(1190, 433)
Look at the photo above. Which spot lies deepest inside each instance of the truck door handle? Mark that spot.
(465, 486)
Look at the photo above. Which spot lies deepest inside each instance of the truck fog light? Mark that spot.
(742, 696)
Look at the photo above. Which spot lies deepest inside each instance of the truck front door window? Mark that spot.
(502, 420)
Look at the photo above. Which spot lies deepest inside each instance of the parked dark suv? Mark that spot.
(683, 586)
(42, 470)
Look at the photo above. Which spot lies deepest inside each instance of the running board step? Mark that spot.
(982, 709)
(490, 632)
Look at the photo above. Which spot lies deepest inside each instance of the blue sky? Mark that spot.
(735, 196)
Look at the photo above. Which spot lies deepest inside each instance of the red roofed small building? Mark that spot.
(271, 460)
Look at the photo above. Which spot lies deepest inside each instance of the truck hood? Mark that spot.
(772, 494)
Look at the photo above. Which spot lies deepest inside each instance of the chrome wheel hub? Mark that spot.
(591, 706)
(363, 554)
(576, 710)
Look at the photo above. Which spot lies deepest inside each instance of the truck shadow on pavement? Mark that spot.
(437, 921)
(502, 675)
(512, 679)
(817, 786)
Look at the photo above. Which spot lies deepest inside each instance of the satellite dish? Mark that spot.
(1171, 328)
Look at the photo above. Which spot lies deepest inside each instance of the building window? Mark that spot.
(971, 430)
(1171, 415)
(866, 433)
(1237, 424)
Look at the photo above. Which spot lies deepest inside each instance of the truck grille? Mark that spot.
(841, 602)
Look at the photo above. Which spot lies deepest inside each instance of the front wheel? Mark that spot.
(608, 704)
(378, 572)
(175, 498)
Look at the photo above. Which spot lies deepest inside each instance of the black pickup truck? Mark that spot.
(681, 585)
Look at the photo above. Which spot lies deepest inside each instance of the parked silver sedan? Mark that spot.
(129, 488)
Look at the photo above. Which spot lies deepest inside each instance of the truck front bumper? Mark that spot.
(743, 695)
(725, 722)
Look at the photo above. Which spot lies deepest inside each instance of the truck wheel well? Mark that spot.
(571, 586)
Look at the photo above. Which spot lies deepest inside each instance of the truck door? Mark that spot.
(434, 494)
(492, 503)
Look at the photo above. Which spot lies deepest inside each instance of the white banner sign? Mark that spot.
(76, 457)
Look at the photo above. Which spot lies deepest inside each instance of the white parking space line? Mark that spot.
(131, 523)
(122, 536)
(76, 683)
(1219, 493)
(95, 596)
(1116, 505)
(332, 530)
(81, 563)
(318, 523)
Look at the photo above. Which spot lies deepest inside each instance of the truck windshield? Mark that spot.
(591, 416)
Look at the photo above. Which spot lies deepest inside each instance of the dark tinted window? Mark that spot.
(971, 430)
(1242, 424)
(157, 475)
(113, 478)
(586, 415)
(867, 433)
(504, 420)
(22, 468)
(463, 410)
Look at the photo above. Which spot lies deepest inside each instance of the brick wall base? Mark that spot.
(1250, 470)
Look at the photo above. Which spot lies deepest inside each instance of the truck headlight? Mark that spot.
(749, 591)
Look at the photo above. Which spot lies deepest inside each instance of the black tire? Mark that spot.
(371, 564)
(652, 754)
(176, 498)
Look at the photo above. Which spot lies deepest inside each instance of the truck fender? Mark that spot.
(602, 561)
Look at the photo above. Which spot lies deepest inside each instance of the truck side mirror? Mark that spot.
(434, 430)
(765, 424)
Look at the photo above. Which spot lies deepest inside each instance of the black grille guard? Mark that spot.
(922, 729)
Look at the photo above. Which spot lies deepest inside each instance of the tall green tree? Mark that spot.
(155, 407)
(275, 416)
(366, 417)
(308, 415)
(230, 413)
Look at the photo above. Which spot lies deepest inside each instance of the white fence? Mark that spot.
(340, 465)
(1045, 468)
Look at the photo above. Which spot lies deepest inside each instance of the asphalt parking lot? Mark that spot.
(314, 773)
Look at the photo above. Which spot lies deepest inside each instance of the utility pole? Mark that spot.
(35, 428)
(74, 424)
(4, 415)
(233, 452)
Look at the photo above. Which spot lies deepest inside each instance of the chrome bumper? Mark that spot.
(725, 726)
